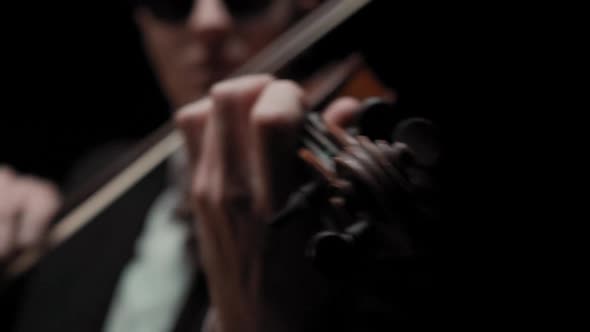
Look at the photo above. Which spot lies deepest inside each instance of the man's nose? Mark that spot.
(210, 20)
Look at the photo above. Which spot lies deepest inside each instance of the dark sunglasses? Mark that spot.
(179, 10)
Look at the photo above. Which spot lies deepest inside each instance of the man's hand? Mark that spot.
(241, 141)
(27, 204)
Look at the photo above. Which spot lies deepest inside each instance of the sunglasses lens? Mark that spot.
(170, 10)
(246, 8)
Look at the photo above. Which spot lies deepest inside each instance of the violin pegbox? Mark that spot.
(379, 187)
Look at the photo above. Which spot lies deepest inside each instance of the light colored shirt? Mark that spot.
(154, 285)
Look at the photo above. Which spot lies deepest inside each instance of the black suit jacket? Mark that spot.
(72, 288)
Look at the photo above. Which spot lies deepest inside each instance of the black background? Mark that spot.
(74, 77)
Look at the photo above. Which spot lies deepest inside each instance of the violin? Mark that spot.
(373, 190)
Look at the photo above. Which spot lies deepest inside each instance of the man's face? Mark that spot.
(192, 44)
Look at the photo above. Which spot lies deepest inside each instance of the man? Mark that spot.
(240, 142)
(191, 44)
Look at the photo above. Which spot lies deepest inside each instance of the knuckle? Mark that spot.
(274, 119)
(220, 197)
(281, 106)
(193, 113)
(288, 86)
(222, 89)
(238, 87)
(200, 191)
(6, 173)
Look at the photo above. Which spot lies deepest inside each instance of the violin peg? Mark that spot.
(331, 252)
(334, 252)
(377, 119)
(423, 137)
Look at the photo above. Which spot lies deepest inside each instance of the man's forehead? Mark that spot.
(179, 10)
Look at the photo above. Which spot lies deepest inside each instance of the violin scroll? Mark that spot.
(377, 186)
